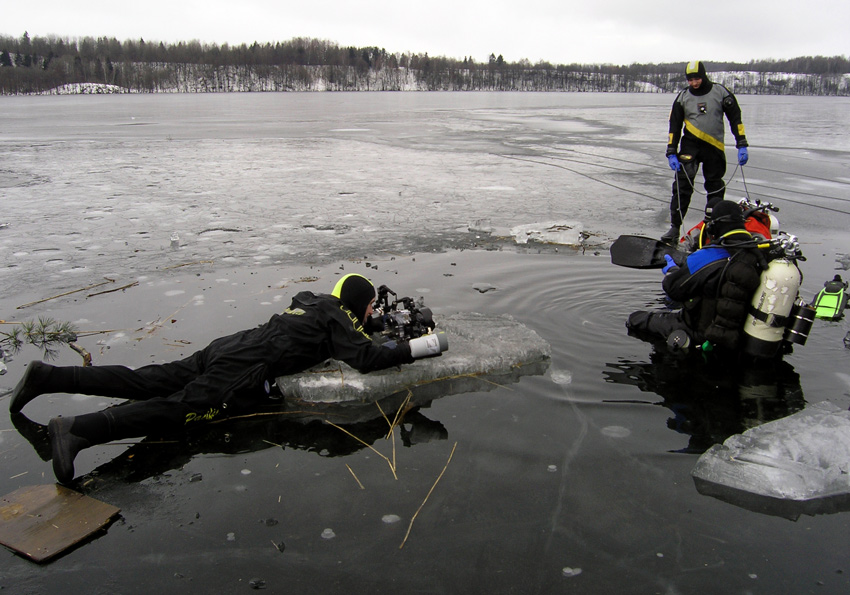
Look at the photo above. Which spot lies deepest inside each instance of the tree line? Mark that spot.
(41, 64)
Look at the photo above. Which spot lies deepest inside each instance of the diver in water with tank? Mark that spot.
(738, 295)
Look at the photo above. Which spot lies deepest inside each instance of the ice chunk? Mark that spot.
(484, 351)
(549, 232)
(802, 458)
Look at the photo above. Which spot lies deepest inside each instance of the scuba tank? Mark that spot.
(830, 302)
(773, 309)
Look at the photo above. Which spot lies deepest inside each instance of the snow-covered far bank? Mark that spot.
(202, 78)
(87, 89)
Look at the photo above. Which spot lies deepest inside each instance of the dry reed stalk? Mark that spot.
(186, 264)
(67, 293)
(270, 413)
(133, 284)
(369, 446)
(350, 470)
(439, 477)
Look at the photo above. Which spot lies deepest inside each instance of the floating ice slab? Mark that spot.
(802, 458)
(567, 233)
(484, 352)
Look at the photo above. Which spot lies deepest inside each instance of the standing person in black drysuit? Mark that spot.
(700, 109)
(232, 373)
(715, 285)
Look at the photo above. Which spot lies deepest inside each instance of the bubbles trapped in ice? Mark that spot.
(328, 534)
(246, 472)
(257, 583)
(562, 377)
(391, 518)
(570, 572)
(231, 537)
(616, 432)
(552, 468)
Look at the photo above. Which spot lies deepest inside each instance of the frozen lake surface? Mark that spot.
(214, 210)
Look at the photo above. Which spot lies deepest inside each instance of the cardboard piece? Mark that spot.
(40, 522)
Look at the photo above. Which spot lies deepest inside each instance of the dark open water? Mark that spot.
(586, 468)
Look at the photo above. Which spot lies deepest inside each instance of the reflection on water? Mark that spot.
(159, 454)
(710, 400)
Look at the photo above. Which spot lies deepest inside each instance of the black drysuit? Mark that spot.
(231, 372)
(715, 287)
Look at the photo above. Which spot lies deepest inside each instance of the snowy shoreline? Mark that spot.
(189, 78)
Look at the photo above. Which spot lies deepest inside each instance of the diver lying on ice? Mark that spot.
(232, 373)
(738, 296)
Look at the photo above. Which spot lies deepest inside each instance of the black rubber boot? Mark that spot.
(672, 235)
(64, 446)
(35, 434)
(32, 384)
(70, 435)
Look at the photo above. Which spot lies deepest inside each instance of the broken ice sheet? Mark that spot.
(497, 346)
(567, 233)
(802, 459)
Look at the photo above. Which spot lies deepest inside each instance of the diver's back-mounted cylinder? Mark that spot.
(771, 311)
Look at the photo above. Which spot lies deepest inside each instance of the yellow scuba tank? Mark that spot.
(771, 307)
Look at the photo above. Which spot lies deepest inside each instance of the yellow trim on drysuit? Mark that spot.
(703, 136)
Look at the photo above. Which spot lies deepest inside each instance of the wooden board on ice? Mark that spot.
(484, 351)
(40, 522)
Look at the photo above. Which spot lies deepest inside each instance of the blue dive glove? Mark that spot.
(674, 162)
(670, 264)
(743, 156)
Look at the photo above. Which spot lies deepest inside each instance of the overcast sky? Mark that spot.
(559, 31)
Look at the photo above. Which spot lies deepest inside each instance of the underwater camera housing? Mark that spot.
(400, 319)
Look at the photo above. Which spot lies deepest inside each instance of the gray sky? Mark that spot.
(559, 31)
